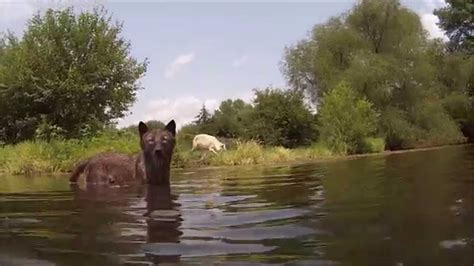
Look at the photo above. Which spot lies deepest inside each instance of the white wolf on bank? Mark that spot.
(207, 142)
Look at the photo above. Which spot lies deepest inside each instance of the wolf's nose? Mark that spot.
(158, 152)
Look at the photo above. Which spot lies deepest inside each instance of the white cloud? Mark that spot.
(183, 109)
(11, 10)
(177, 64)
(429, 23)
(238, 62)
(429, 20)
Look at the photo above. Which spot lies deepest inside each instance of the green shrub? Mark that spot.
(428, 124)
(345, 120)
(281, 118)
(437, 127)
(372, 145)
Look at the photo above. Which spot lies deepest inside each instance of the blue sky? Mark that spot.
(205, 52)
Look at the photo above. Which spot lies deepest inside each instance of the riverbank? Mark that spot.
(339, 157)
(60, 156)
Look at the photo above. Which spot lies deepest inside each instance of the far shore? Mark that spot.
(328, 158)
(290, 161)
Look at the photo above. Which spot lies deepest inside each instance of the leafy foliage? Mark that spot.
(380, 49)
(232, 119)
(374, 76)
(205, 121)
(70, 72)
(276, 117)
(457, 19)
(281, 117)
(373, 145)
(346, 120)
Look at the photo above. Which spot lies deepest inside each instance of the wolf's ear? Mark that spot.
(142, 128)
(171, 127)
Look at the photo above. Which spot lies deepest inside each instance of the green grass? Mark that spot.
(58, 156)
(244, 153)
(373, 145)
(61, 155)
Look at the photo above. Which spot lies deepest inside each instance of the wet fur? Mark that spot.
(107, 167)
(152, 165)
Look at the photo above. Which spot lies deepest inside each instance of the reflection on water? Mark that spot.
(404, 209)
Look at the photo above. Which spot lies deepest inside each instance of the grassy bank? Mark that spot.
(61, 155)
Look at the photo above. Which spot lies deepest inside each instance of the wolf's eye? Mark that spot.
(151, 141)
(164, 139)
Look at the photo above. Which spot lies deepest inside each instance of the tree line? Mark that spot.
(276, 117)
(396, 82)
(370, 73)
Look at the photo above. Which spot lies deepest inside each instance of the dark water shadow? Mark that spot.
(163, 220)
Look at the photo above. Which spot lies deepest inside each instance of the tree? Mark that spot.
(186, 135)
(2, 47)
(380, 49)
(456, 68)
(454, 73)
(457, 19)
(204, 121)
(281, 117)
(381, 29)
(231, 119)
(346, 120)
(203, 117)
(71, 72)
(152, 124)
(314, 65)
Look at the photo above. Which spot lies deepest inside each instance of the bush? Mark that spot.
(346, 120)
(372, 145)
(437, 127)
(428, 124)
(281, 118)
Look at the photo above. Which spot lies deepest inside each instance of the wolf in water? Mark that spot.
(152, 165)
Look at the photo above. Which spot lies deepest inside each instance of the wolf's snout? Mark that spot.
(159, 152)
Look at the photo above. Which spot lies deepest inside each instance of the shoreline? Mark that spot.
(296, 161)
(331, 158)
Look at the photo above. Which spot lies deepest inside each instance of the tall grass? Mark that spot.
(372, 145)
(61, 155)
(245, 153)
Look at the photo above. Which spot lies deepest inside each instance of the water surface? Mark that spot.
(413, 208)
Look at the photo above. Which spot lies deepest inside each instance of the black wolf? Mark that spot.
(152, 165)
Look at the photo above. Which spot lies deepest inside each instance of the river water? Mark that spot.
(414, 208)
